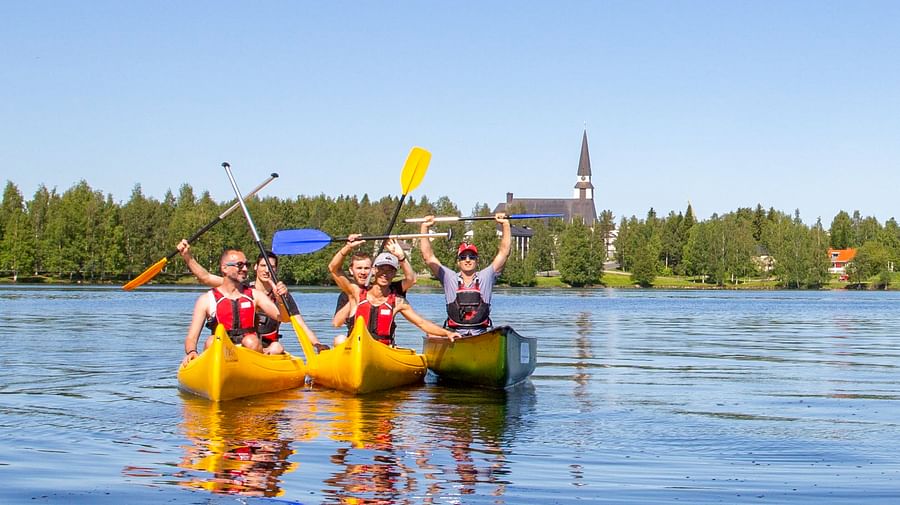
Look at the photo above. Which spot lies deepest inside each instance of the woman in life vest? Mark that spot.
(379, 304)
(268, 328)
(360, 266)
(234, 304)
(468, 292)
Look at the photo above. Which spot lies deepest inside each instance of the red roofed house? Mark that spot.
(839, 259)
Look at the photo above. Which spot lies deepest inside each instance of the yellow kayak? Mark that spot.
(362, 365)
(225, 371)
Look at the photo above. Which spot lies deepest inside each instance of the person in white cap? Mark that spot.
(468, 292)
(379, 304)
(360, 266)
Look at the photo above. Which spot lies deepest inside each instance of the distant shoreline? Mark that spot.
(614, 280)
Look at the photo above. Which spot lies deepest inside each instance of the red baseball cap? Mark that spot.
(467, 247)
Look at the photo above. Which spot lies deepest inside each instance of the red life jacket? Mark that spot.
(237, 316)
(379, 318)
(468, 310)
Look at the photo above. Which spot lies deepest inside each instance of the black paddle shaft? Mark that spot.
(393, 221)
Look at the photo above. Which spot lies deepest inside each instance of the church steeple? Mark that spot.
(584, 190)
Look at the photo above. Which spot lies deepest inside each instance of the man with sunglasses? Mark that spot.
(264, 336)
(468, 292)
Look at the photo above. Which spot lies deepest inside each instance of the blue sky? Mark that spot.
(791, 104)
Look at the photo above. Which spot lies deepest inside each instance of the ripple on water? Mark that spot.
(638, 397)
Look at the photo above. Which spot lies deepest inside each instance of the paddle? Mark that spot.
(445, 219)
(413, 172)
(309, 240)
(159, 265)
(305, 342)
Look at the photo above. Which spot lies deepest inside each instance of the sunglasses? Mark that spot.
(239, 264)
(464, 257)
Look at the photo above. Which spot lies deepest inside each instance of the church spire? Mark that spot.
(584, 163)
(584, 190)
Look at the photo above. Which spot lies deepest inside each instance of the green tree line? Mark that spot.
(755, 244)
(84, 235)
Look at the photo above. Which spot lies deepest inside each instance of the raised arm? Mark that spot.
(409, 275)
(197, 269)
(423, 324)
(431, 260)
(505, 243)
(336, 265)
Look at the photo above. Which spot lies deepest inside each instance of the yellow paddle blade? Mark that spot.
(305, 343)
(148, 274)
(414, 169)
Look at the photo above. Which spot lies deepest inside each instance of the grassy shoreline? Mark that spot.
(611, 279)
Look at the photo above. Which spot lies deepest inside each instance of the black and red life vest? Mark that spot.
(238, 316)
(468, 310)
(379, 318)
(268, 327)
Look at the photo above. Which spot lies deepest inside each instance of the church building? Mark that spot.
(579, 207)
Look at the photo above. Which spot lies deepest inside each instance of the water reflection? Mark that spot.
(371, 469)
(238, 447)
(787, 397)
(476, 428)
(425, 445)
(584, 354)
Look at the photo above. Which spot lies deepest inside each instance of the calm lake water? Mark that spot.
(639, 397)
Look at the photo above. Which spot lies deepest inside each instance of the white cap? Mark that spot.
(386, 258)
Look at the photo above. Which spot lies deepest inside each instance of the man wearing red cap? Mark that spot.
(468, 292)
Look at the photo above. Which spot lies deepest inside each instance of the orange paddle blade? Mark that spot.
(148, 274)
(414, 169)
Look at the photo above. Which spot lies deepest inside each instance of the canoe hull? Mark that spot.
(361, 365)
(499, 358)
(225, 371)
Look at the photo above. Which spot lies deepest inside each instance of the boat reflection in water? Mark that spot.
(477, 427)
(407, 446)
(239, 447)
(461, 449)
(371, 467)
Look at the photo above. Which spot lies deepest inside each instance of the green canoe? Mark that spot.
(498, 359)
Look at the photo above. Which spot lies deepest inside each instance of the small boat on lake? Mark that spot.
(225, 371)
(497, 359)
(362, 365)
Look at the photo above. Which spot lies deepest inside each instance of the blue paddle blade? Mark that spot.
(302, 241)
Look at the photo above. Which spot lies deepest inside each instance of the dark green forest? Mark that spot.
(83, 235)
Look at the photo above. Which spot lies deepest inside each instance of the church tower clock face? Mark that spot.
(583, 178)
